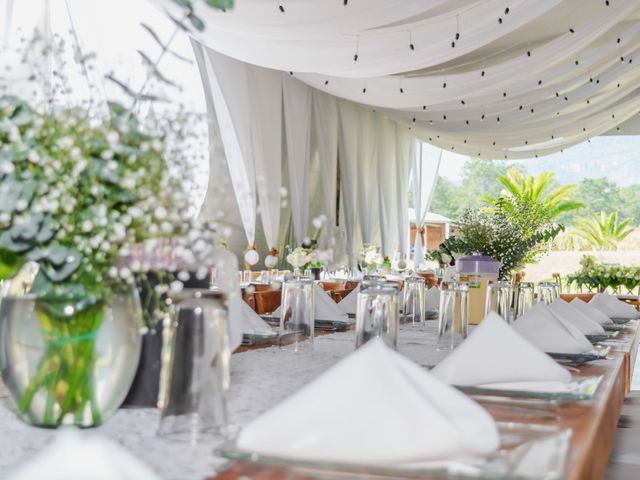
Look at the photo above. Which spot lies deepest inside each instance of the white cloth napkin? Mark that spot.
(393, 412)
(575, 316)
(592, 312)
(495, 353)
(349, 303)
(252, 324)
(432, 298)
(76, 456)
(612, 307)
(551, 333)
(325, 308)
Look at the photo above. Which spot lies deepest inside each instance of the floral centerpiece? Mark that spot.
(598, 276)
(79, 194)
(370, 258)
(301, 258)
(514, 231)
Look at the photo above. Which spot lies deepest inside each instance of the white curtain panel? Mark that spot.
(367, 185)
(403, 168)
(297, 115)
(229, 91)
(493, 78)
(325, 109)
(349, 174)
(265, 94)
(387, 181)
(426, 163)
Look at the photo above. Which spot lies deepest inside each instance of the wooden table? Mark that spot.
(593, 422)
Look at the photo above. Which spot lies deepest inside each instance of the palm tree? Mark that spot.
(539, 190)
(603, 231)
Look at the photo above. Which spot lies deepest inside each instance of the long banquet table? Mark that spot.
(263, 377)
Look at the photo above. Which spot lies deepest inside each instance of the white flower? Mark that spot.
(106, 154)
(125, 273)
(113, 272)
(21, 205)
(87, 226)
(176, 286)
(34, 156)
(113, 138)
(160, 213)
(129, 183)
(7, 167)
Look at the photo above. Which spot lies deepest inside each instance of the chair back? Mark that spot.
(267, 302)
(338, 295)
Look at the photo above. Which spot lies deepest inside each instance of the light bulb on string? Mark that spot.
(411, 45)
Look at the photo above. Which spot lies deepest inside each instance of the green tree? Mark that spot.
(597, 195)
(603, 231)
(542, 190)
(445, 198)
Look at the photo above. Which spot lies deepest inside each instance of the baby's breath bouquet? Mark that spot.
(79, 194)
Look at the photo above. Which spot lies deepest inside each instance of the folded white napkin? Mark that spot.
(75, 456)
(575, 316)
(495, 353)
(349, 303)
(396, 412)
(325, 307)
(592, 312)
(551, 333)
(432, 298)
(612, 307)
(252, 324)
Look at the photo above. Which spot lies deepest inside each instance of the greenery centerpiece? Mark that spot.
(514, 231)
(79, 193)
(598, 276)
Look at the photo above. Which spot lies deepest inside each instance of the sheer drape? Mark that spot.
(297, 115)
(426, 162)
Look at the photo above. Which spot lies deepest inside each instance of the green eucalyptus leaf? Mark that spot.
(184, 4)
(47, 230)
(22, 115)
(220, 4)
(10, 192)
(62, 300)
(117, 109)
(61, 273)
(10, 264)
(196, 21)
(27, 228)
(16, 246)
(59, 255)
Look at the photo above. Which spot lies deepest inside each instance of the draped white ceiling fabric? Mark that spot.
(490, 78)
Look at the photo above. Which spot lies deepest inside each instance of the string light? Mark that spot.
(355, 57)
(411, 45)
(281, 8)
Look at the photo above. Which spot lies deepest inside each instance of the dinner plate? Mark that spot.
(620, 321)
(612, 327)
(598, 353)
(602, 337)
(527, 451)
(331, 325)
(250, 339)
(576, 390)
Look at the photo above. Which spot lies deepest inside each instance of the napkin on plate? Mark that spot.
(252, 324)
(75, 456)
(575, 316)
(496, 353)
(374, 407)
(432, 299)
(551, 333)
(612, 307)
(349, 303)
(325, 308)
(592, 312)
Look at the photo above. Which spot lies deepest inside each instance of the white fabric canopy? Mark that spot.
(490, 78)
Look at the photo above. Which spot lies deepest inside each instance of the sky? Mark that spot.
(615, 157)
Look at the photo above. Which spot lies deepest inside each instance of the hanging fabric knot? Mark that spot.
(273, 252)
